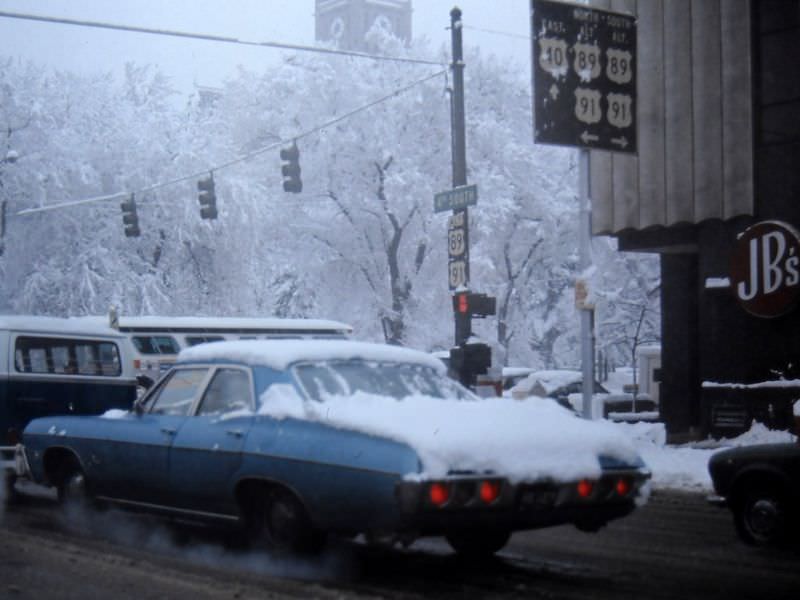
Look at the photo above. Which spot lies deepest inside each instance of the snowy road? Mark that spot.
(675, 547)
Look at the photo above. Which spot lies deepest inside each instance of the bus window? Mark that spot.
(155, 344)
(61, 360)
(193, 340)
(38, 360)
(65, 356)
(109, 359)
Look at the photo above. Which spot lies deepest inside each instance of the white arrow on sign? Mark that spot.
(554, 92)
(622, 142)
(587, 137)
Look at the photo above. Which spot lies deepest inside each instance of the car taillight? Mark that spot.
(585, 488)
(623, 487)
(489, 491)
(439, 493)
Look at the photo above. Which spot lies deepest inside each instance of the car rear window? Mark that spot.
(397, 380)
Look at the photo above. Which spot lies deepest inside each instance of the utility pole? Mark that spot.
(463, 323)
(469, 360)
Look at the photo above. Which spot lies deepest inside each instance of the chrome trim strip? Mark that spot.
(171, 509)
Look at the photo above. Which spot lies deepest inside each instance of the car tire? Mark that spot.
(73, 491)
(762, 517)
(478, 543)
(287, 526)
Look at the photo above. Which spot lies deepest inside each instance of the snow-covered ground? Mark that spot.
(685, 467)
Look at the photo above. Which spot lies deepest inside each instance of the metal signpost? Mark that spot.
(584, 95)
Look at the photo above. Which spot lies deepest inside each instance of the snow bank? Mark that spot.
(685, 467)
(522, 440)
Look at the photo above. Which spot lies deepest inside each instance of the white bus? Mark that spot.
(157, 340)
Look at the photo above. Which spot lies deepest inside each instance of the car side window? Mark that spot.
(228, 391)
(175, 397)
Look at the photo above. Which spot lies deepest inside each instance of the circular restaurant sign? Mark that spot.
(765, 269)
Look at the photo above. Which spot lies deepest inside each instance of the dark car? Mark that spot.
(296, 439)
(761, 485)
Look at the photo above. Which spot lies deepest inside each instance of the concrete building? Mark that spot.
(715, 191)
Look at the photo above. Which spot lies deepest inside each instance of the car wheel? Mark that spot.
(287, 526)
(761, 517)
(73, 490)
(478, 543)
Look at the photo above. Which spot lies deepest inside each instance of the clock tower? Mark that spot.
(346, 22)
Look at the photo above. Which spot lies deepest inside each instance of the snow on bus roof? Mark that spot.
(279, 354)
(55, 325)
(221, 324)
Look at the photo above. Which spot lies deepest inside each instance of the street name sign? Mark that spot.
(584, 77)
(456, 199)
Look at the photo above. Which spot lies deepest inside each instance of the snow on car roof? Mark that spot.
(279, 354)
(160, 323)
(55, 326)
(550, 380)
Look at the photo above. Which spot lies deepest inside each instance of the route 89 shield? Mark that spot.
(457, 250)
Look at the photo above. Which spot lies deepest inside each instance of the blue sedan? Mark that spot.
(293, 440)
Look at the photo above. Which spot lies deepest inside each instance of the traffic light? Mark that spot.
(291, 169)
(474, 305)
(129, 217)
(207, 197)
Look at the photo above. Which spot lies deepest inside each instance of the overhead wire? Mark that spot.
(240, 159)
(211, 37)
(498, 32)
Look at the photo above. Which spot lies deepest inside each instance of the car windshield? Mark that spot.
(397, 380)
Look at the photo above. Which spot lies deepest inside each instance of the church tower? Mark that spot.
(347, 21)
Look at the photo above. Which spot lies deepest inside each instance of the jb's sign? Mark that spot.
(765, 269)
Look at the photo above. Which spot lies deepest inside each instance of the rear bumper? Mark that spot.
(518, 506)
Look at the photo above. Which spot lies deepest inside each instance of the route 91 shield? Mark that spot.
(584, 77)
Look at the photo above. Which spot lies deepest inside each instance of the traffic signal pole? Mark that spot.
(459, 153)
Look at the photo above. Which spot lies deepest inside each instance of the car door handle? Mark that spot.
(235, 432)
(168, 430)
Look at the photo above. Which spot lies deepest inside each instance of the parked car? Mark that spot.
(292, 440)
(565, 386)
(761, 486)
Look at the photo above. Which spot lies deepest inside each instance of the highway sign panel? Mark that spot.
(584, 76)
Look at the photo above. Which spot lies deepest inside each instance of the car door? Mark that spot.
(207, 450)
(136, 462)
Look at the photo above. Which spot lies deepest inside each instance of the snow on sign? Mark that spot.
(584, 77)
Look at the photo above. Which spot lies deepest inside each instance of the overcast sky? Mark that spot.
(207, 63)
